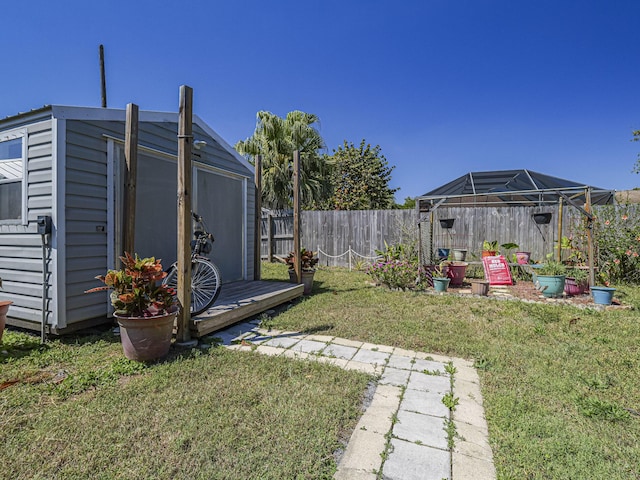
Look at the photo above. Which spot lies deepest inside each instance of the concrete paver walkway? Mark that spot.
(406, 431)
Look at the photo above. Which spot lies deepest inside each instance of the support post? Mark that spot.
(590, 252)
(270, 237)
(296, 216)
(185, 140)
(560, 210)
(130, 177)
(258, 224)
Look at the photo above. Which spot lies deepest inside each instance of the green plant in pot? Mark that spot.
(577, 281)
(489, 249)
(144, 307)
(440, 278)
(308, 262)
(551, 279)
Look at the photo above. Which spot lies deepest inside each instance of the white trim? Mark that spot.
(58, 237)
(15, 134)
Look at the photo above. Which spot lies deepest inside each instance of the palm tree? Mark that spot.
(276, 139)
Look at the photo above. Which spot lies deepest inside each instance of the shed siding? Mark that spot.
(20, 245)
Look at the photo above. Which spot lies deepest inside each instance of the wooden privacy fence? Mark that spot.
(345, 237)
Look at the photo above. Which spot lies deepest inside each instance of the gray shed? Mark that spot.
(67, 163)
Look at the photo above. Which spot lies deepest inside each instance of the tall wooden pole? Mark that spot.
(185, 140)
(130, 177)
(296, 216)
(559, 256)
(590, 252)
(103, 79)
(258, 223)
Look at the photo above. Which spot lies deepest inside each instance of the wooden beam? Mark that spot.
(258, 220)
(296, 216)
(185, 140)
(270, 237)
(130, 177)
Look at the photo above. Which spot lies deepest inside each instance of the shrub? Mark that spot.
(617, 239)
(396, 274)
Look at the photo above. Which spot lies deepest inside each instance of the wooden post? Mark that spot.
(559, 256)
(258, 224)
(185, 140)
(103, 79)
(270, 237)
(296, 216)
(130, 177)
(590, 252)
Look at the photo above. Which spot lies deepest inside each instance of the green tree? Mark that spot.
(276, 139)
(636, 138)
(360, 178)
(408, 204)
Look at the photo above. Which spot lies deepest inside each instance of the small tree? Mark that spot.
(360, 178)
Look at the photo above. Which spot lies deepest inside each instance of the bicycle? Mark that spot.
(205, 275)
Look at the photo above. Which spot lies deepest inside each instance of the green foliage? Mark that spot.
(595, 408)
(137, 288)
(552, 267)
(276, 139)
(488, 246)
(409, 203)
(617, 239)
(450, 401)
(395, 274)
(360, 179)
(400, 251)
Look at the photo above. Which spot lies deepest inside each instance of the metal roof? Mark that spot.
(512, 187)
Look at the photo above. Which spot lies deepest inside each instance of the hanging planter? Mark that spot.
(542, 218)
(446, 222)
(459, 254)
(523, 257)
(443, 253)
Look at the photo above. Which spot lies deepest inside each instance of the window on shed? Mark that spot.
(11, 177)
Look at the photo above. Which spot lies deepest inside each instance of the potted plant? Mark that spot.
(144, 307)
(4, 309)
(550, 279)
(576, 282)
(489, 249)
(308, 261)
(440, 277)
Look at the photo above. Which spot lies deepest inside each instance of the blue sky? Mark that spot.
(443, 87)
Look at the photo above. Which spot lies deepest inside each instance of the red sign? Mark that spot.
(496, 270)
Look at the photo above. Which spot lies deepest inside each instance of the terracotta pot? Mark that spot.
(146, 339)
(4, 308)
(307, 280)
(488, 253)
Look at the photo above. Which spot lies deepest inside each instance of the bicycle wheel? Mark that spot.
(205, 284)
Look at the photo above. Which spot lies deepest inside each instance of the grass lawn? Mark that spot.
(81, 410)
(560, 384)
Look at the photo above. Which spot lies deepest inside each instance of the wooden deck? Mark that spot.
(240, 300)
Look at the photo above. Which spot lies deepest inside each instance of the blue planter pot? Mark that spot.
(602, 295)
(551, 286)
(440, 284)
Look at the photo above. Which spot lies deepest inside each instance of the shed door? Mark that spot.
(220, 201)
(217, 197)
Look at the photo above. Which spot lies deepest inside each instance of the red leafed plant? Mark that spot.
(308, 260)
(137, 288)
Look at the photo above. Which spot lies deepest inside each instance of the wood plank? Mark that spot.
(241, 300)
